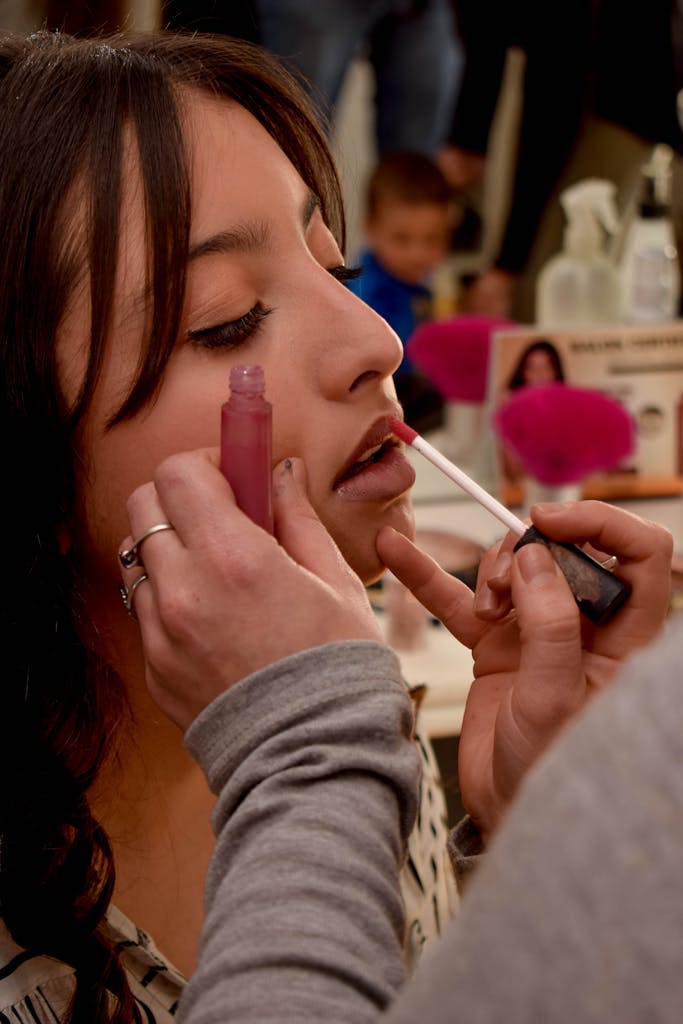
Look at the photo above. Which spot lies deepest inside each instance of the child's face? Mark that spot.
(261, 262)
(409, 239)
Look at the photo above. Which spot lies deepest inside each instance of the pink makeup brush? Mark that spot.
(562, 434)
(598, 593)
(454, 354)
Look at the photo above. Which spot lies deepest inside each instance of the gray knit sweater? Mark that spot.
(576, 914)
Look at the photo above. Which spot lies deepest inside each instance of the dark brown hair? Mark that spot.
(406, 177)
(518, 376)
(64, 107)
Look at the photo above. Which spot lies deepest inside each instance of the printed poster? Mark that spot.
(639, 365)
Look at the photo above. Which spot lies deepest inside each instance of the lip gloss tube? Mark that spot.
(247, 445)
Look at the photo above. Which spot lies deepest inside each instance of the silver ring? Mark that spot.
(610, 563)
(127, 594)
(131, 556)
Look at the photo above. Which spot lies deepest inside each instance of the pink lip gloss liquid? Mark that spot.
(246, 444)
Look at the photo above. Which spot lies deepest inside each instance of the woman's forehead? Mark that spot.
(237, 169)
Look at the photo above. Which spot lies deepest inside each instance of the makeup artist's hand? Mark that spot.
(537, 660)
(223, 597)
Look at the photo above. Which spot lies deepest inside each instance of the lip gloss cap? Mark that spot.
(247, 380)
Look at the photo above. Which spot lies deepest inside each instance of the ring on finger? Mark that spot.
(610, 563)
(131, 556)
(128, 593)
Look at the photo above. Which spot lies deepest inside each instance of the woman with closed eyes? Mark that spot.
(170, 210)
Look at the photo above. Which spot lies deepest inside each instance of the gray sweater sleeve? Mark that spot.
(575, 914)
(316, 774)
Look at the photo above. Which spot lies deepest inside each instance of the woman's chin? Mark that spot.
(371, 574)
(360, 551)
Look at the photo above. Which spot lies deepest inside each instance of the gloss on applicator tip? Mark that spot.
(597, 591)
(246, 444)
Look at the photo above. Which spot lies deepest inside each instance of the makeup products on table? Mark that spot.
(598, 592)
(246, 444)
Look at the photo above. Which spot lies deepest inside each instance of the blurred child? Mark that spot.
(410, 215)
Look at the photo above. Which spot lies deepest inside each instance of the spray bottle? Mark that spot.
(649, 264)
(580, 286)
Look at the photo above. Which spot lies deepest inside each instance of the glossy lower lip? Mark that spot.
(380, 481)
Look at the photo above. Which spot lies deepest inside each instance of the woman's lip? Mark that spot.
(380, 432)
(383, 480)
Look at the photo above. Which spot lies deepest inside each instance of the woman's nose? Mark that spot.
(359, 346)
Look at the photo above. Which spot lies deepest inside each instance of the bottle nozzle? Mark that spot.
(655, 198)
(588, 205)
(597, 196)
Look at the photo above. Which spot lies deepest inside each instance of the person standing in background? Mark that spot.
(599, 90)
(412, 46)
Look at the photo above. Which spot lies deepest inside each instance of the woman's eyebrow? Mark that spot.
(249, 236)
(311, 204)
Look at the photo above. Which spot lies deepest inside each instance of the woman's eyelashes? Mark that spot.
(343, 273)
(236, 332)
(232, 333)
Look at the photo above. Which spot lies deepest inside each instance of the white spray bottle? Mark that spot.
(649, 264)
(580, 285)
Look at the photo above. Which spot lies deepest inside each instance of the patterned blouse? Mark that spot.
(36, 989)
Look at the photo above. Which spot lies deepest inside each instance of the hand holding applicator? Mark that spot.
(598, 593)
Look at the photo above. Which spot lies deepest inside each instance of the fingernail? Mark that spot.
(292, 473)
(485, 599)
(501, 568)
(536, 563)
(282, 482)
(549, 508)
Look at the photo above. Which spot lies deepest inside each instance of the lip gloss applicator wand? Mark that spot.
(597, 591)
